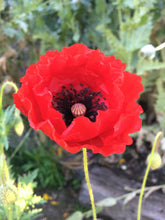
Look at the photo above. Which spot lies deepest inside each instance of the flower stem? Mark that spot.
(1, 148)
(10, 212)
(155, 144)
(21, 143)
(88, 183)
(160, 47)
(4, 171)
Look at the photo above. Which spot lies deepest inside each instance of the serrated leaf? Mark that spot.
(109, 202)
(129, 198)
(160, 103)
(138, 37)
(29, 177)
(147, 65)
(142, 34)
(23, 25)
(115, 44)
(9, 115)
(76, 216)
(11, 32)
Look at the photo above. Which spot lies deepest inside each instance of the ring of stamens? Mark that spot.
(74, 103)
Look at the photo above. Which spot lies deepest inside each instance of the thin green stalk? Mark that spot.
(4, 171)
(157, 139)
(2, 181)
(21, 143)
(10, 212)
(120, 19)
(88, 183)
(1, 148)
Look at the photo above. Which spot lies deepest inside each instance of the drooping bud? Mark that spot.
(78, 109)
(148, 51)
(156, 160)
(19, 126)
(8, 194)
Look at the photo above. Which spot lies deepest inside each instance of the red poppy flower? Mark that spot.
(81, 98)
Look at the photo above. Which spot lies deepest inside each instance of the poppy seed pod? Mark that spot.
(78, 109)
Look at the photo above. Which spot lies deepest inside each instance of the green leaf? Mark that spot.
(129, 197)
(109, 202)
(1, 5)
(76, 35)
(101, 7)
(9, 115)
(23, 25)
(7, 121)
(160, 103)
(90, 212)
(76, 216)
(137, 37)
(147, 65)
(114, 44)
(11, 32)
(6, 142)
(142, 35)
(29, 177)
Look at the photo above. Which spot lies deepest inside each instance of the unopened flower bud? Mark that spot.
(156, 160)
(148, 51)
(19, 126)
(8, 194)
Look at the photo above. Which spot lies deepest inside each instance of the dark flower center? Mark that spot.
(85, 98)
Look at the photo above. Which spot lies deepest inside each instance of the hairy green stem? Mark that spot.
(88, 183)
(21, 143)
(157, 139)
(1, 148)
(10, 212)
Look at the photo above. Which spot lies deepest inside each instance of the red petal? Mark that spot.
(74, 65)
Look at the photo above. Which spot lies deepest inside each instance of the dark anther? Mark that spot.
(63, 101)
